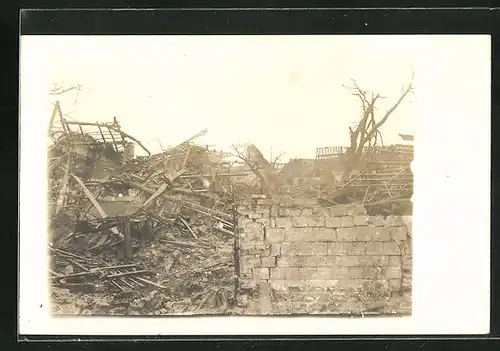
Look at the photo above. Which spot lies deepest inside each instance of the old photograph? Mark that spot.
(224, 175)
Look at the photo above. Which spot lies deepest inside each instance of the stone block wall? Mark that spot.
(297, 256)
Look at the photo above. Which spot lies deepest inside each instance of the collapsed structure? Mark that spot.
(160, 234)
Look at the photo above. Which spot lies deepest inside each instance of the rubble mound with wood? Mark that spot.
(144, 235)
(157, 234)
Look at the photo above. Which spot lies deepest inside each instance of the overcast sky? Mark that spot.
(284, 93)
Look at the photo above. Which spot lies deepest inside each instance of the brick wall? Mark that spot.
(297, 256)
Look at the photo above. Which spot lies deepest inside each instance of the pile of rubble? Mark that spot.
(383, 183)
(125, 229)
(157, 234)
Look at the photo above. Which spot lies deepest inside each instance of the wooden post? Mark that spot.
(146, 230)
(127, 240)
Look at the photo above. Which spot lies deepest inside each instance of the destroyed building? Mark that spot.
(181, 231)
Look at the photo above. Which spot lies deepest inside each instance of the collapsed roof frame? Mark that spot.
(115, 136)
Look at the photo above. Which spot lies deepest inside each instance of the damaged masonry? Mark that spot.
(192, 231)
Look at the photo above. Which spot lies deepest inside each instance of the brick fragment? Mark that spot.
(394, 284)
(323, 234)
(333, 261)
(264, 202)
(335, 248)
(275, 250)
(380, 233)
(264, 211)
(391, 249)
(371, 272)
(324, 272)
(346, 234)
(355, 272)
(304, 201)
(275, 235)
(374, 248)
(347, 221)
(268, 262)
(253, 215)
(338, 211)
(279, 285)
(314, 261)
(307, 212)
(243, 222)
(247, 284)
(252, 261)
(299, 234)
(266, 221)
(289, 212)
(304, 249)
(321, 211)
(285, 200)
(308, 221)
(355, 248)
(260, 273)
(332, 222)
(361, 220)
(395, 261)
(340, 272)
(394, 221)
(290, 261)
(274, 212)
(392, 272)
(272, 222)
(284, 222)
(285, 273)
(358, 209)
(398, 233)
(362, 233)
(307, 273)
(377, 221)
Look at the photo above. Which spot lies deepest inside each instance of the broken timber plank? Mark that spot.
(62, 194)
(188, 227)
(185, 244)
(127, 273)
(157, 193)
(195, 207)
(96, 204)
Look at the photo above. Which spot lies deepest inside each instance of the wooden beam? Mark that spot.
(63, 122)
(95, 203)
(113, 138)
(102, 134)
(157, 193)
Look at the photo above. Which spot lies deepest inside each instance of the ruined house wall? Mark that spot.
(296, 254)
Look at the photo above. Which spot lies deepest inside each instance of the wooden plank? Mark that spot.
(157, 193)
(61, 118)
(54, 112)
(146, 230)
(62, 193)
(113, 138)
(95, 203)
(102, 134)
(127, 240)
(193, 206)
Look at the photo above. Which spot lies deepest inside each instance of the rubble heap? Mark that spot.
(128, 229)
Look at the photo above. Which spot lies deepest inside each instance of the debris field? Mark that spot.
(157, 234)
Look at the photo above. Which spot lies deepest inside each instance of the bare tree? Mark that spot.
(264, 170)
(239, 150)
(59, 89)
(275, 160)
(367, 133)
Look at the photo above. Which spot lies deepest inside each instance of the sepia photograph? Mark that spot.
(169, 195)
(226, 176)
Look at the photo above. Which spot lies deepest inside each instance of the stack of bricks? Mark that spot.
(298, 247)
